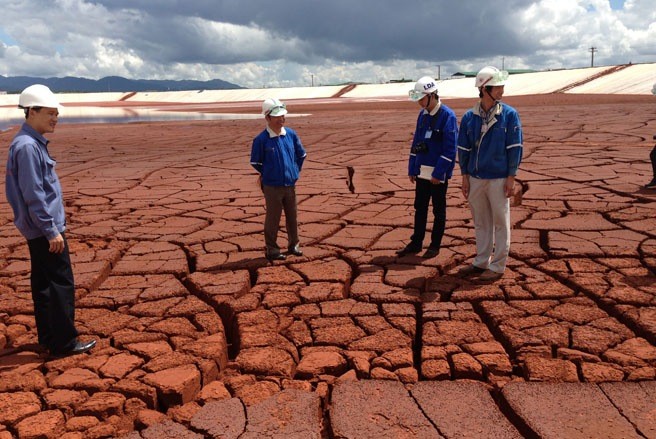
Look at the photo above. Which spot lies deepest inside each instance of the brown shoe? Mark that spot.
(470, 270)
(490, 276)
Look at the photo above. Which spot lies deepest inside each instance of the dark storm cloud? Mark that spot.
(342, 30)
(292, 42)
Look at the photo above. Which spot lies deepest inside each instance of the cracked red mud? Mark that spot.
(194, 325)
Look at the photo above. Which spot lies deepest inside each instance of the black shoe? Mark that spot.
(430, 253)
(409, 249)
(296, 251)
(651, 184)
(276, 257)
(79, 347)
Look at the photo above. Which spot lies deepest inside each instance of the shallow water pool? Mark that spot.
(14, 116)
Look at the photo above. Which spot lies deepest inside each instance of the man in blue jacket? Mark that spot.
(489, 153)
(432, 158)
(278, 154)
(35, 195)
(652, 157)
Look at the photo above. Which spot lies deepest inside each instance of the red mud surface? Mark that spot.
(198, 336)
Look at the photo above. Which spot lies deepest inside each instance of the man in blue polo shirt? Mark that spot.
(35, 195)
(278, 154)
(489, 153)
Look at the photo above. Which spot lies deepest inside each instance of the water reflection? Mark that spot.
(14, 116)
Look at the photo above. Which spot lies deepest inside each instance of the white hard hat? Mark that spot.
(424, 86)
(38, 95)
(273, 107)
(491, 76)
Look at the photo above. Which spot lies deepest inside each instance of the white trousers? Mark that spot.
(491, 212)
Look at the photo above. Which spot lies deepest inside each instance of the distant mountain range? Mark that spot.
(70, 84)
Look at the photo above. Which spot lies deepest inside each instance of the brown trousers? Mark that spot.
(277, 199)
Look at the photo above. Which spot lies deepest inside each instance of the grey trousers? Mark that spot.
(277, 199)
(491, 211)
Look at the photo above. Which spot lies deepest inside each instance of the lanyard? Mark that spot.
(433, 119)
(488, 119)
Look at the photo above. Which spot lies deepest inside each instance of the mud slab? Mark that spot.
(193, 324)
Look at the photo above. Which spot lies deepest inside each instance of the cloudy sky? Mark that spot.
(310, 42)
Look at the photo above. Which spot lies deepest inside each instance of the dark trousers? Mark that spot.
(652, 156)
(277, 199)
(425, 192)
(53, 294)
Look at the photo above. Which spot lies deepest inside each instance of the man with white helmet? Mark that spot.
(489, 153)
(278, 154)
(35, 195)
(430, 166)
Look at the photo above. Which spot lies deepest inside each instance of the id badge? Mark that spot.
(429, 134)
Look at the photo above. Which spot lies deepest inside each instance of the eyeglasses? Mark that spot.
(416, 95)
(277, 107)
(499, 77)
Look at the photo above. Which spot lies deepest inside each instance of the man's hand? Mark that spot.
(465, 186)
(412, 178)
(436, 181)
(56, 244)
(509, 186)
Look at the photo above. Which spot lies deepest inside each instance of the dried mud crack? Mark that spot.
(199, 336)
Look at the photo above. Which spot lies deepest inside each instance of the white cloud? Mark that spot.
(113, 60)
(565, 31)
(328, 42)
